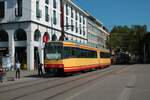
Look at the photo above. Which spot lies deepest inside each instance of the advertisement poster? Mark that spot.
(6, 62)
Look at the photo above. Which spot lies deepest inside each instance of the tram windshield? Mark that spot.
(53, 51)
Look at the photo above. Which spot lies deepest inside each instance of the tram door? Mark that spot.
(21, 56)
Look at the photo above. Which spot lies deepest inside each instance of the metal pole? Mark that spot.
(62, 21)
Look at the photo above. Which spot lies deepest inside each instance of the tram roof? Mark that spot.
(80, 45)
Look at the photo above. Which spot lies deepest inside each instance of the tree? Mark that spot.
(119, 38)
(147, 47)
(128, 39)
(139, 32)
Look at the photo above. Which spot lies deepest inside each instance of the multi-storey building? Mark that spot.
(23, 26)
(97, 33)
(76, 17)
(26, 24)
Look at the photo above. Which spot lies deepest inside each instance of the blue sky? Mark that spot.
(118, 12)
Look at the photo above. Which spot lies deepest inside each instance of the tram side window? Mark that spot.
(87, 54)
(93, 54)
(104, 55)
(69, 52)
(66, 52)
(83, 53)
(78, 53)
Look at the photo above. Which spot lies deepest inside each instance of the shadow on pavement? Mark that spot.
(42, 76)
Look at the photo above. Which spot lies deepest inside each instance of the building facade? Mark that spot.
(97, 33)
(76, 17)
(25, 25)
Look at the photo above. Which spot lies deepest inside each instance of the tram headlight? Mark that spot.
(45, 65)
(61, 66)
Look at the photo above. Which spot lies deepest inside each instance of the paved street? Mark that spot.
(118, 82)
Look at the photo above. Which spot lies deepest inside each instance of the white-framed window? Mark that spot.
(18, 9)
(54, 4)
(76, 14)
(80, 29)
(54, 17)
(72, 25)
(2, 9)
(67, 9)
(67, 23)
(46, 1)
(72, 15)
(80, 17)
(76, 27)
(46, 14)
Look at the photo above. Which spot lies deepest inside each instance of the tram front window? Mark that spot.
(53, 52)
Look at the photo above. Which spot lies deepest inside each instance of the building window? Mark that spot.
(67, 23)
(80, 18)
(83, 30)
(54, 4)
(46, 14)
(66, 9)
(38, 11)
(54, 17)
(76, 27)
(72, 26)
(80, 29)
(18, 9)
(76, 15)
(83, 20)
(71, 12)
(2, 9)
(47, 1)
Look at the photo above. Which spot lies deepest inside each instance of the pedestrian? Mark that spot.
(35, 65)
(1, 74)
(17, 69)
(40, 72)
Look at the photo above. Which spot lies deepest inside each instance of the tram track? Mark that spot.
(28, 81)
(84, 83)
(96, 74)
(23, 84)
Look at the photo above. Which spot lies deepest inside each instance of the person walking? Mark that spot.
(40, 72)
(17, 69)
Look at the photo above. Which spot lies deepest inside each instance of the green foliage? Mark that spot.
(128, 39)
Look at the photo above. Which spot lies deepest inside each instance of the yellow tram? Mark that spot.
(69, 57)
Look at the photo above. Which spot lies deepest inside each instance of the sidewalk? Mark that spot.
(24, 74)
